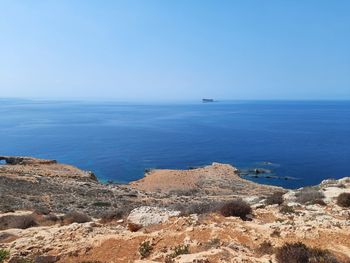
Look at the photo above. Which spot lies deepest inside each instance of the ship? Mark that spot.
(207, 100)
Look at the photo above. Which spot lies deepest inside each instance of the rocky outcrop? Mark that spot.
(148, 215)
(167, 235)
(216, 179)
(15, 160)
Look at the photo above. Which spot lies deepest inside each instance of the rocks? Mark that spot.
(19, 160)
(147, 215)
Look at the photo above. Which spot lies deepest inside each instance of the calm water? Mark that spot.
(309, 141)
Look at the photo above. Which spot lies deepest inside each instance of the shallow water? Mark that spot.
(308, 141)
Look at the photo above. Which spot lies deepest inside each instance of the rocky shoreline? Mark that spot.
(52, 212)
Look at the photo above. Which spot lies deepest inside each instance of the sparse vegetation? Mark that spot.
(145, 249)
(17, 221)
(343, 200)
(197, 208)
(182, 192)
(181, 250)
(75, 217)
(24, 260)
(42, 210)
(300, 253)
(318, 202)
(286, 209)
(237, 208)
(275, 198)
(101, 204)
(134, 227)
(307, 195)
(111, 216)
(4, 254)
(212, 243)
(265, 248)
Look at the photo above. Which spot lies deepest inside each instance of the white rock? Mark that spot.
(148, 215)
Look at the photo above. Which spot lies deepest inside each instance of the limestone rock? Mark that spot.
(148, 215)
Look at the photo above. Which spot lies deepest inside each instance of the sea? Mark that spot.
(298, 143)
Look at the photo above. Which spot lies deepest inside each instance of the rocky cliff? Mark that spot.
(52, 212)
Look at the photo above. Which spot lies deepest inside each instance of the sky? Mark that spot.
(175, 49)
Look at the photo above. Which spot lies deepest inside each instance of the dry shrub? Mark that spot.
(17, 221)
(197, 208)
(184, 192)
(45, 220)
(237, 208)
(42, 210)
(275, 198)
(111, 216)
(300, 253)
(318, 202)
(286, 209)
(134, 227)
(321, 256)
(307, 195)
(344, 200)
(265, 248)
(293, 253)
(75, 217)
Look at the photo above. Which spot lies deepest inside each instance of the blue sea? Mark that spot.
(303, 141)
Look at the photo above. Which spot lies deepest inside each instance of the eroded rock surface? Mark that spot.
(207, 237)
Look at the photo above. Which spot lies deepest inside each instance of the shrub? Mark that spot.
(101, 204)
(300, 253)
(23, 260)
(212, 243)
(75, 217)
(308, 195)
(318, 202)
(17, 221)
(286, 209)
(111, 216)
(169, 259)
(4, 254)
(134, 227)
(145, 249)
(321, 256)
(265, 248)
(344, 200)
(181, 250)
(292, 253)
(237, 208)
(275, 198)
(197, 208)
(184, 192)
(42, 210)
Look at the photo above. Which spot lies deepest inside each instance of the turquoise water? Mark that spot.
(308, 141)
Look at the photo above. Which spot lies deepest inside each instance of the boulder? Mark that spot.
(148, 215)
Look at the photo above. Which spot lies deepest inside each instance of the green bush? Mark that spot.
(145, 249)
(4, 254)
(181, 250)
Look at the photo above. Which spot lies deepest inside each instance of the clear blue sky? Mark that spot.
(179, 49)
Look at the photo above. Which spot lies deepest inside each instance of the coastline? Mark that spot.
(168, 208)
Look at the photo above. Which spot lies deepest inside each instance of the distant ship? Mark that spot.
(207, 100)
